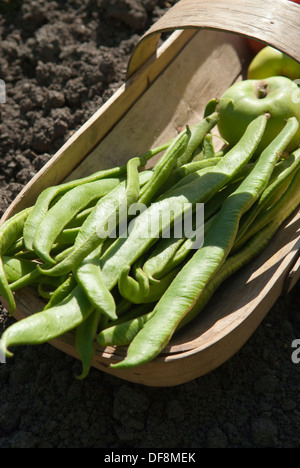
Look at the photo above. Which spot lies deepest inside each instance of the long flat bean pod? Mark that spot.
(46, 325)
(145, 230)
(130, 288)
(186, 288)
(89, 276)
(16, 268)
(185, 174)
(178, 174)
(10, 232)
(123, 333)
(52, 193)
(272, 193)
(103, 220)
(12, 229)
(178, 154)
(62, 291)
(85, 343)
(64, 210)
(271, 212)
(164, 167)
(198, 134)
(250, 250)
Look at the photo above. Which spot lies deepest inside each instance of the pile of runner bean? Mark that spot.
(116, 285)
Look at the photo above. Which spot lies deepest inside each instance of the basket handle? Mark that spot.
(272, 22)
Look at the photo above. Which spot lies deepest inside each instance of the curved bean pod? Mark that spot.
(125, 252)
(52, 193)
(89, 276)
(16, 268)
(61, 292)
(46, 325)
(208, 147)
(186, 288)
(199, 133)
(135, 290)
(107, 212)
(85, 343)
(164, 167)
(63, 211)
(123, 333)
(249, 250)
(161, 256)
(272, 193)
(271, 213)
(10, 232)
(131, 288)
(177, 175)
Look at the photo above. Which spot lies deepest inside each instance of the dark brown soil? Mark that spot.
(61, 60)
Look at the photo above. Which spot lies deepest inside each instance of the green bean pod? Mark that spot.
(89, 276)
(188, 285)
(177, 175)
(16, 268)
(208, 147)
(79, 218)
(85, 343)
(50, 194)
(10, 231)
(134, 289)
(177, 155)
(68, 236)
(184, 252)
(49, 324)
(163, 168)
(61, 292)
(31, 278)
(123, 333)
(16, 248)
(267, 215)
(161, 256)
(145, 230)
(199, 133)
(272, 194)
(5, 291)
(122, 306)
(170, 252)
(63, 211)
(103, 220)
(251, 248)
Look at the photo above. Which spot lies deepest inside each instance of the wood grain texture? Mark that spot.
(273, 22)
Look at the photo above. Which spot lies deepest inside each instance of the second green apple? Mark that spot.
(245, 100)
(271, 62)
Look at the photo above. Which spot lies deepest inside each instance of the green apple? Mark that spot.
(278, 96)
(271, 62)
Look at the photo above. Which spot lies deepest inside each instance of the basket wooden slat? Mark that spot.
(168, 87)
(273, 23)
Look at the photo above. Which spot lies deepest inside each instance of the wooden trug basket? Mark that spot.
(167, 86)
